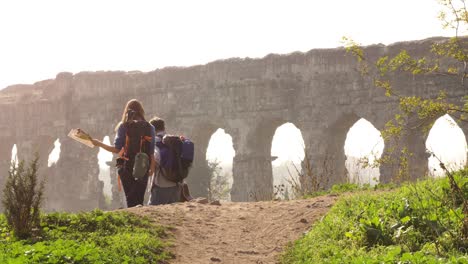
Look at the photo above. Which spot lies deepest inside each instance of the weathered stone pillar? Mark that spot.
(325, 138)
(43, 146)
(252, 177)
(390, 160)
(464, 127)
(326, 159)
(78, 169)
(418, 161)
(199, 175)
(5, 154)
(24, 149)
(118, 195)
(252, 171)
(5, 161)
(400, 164)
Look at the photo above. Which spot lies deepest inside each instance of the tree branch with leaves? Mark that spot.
(447, 59)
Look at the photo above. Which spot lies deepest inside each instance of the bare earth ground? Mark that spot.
(255, 232)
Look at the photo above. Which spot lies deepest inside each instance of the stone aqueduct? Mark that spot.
(320, 91)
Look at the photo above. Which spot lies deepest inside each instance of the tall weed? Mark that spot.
(22, 197)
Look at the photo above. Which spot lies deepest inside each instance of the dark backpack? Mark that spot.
(176, 157)
(137, 146)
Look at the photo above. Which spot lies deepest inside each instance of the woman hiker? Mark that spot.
(134, 136)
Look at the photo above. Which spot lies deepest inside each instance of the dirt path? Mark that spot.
(254, 232)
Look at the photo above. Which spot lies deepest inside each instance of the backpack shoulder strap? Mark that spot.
(146, 135)
(123, 152)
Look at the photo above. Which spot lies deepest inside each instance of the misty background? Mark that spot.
(43, 38)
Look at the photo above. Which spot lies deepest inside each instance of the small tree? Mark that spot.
(310, 180)
(218, 189)
(22, 197)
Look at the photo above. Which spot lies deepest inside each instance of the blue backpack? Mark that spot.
(176, 157)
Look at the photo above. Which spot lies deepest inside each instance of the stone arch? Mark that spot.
(287, 152)
(43, 146)
(220, 157)
(363, 144)
(444, 134)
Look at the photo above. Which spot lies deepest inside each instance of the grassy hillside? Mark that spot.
(93, 237)
(417, 223)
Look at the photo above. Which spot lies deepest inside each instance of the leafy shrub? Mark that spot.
(22, 197)
(417, 223)
(309, 180)
(93, 237)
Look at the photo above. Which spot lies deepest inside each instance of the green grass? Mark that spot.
(342, 188)
(93, 237)
(416, 223)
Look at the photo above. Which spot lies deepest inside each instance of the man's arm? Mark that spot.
(151, 173)
(152, 165)
(151, 150)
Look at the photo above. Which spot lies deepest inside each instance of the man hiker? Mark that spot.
(164, 190)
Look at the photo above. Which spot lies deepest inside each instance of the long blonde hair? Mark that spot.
(136, 106)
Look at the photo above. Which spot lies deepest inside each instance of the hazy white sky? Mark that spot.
(287, 145)
(41, 38)
(220, 148)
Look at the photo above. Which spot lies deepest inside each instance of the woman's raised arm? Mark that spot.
(105, 146)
